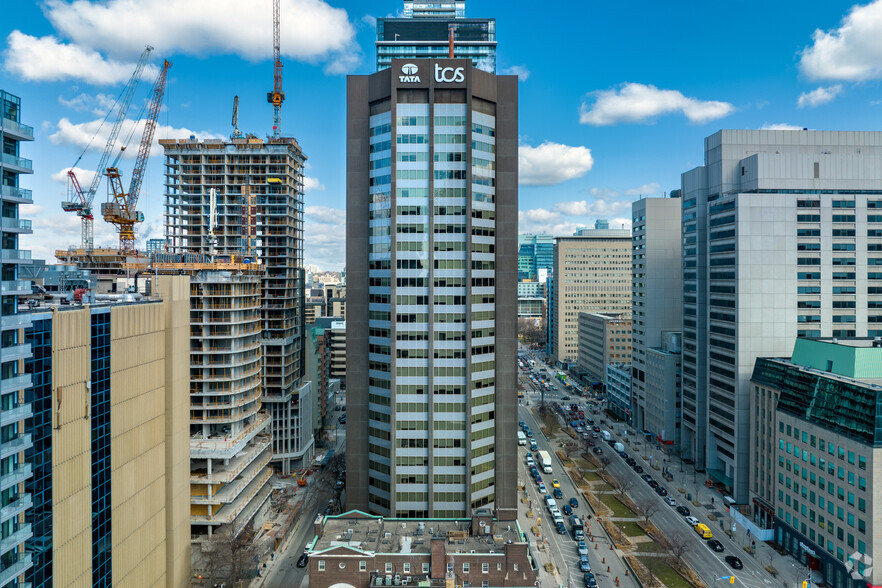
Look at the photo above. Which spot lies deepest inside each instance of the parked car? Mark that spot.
(653, 484)
(692, 521)
(670, 501)
(638, 469)
(734, 562)
(597, 450)
(683, 511)
(542, 488)
(304, 559)
(715, 545)
(661, 491)
(646, 477)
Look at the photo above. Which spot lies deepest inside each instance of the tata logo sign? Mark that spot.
(449, 74)
(409, 71)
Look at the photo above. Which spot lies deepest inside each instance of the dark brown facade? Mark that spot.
(433, 82)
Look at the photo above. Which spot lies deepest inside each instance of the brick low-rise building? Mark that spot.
(358, 550)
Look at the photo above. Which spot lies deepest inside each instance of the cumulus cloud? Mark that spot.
(552, 163)
(644, 190)
(517, 70)
(603, 192)
(819, 96)
(46, 59)
(637, 103)
(325, 236)
(312, 185)
(850, 52)
(598, 208)
(780, 127)
(94, 103)
(84, 176)
(105, 37)
(80, 134)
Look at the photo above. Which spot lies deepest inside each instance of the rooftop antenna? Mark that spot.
(236, 133)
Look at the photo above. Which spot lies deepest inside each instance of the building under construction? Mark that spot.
(242, 201)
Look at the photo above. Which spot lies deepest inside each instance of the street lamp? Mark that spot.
(730, 578)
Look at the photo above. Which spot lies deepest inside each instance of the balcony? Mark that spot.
(20, 412)
(20, 565)
(13, 509)
(224, 473)
(225, 447)
(14, 256)
(25, 165)
(18, 130)
(16, 225)
(11, 287)
(16, 195)
(22, 472)
(14, 352)
(20, 443)
(229, 512)
(23, 534)
(15, 321)
(229, 492)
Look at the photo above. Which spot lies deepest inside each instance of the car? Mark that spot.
(529, 433)
(692, 521)
(561, 530)
(574, 503)
(565, 398)
(624, 456)
(594, 435)
(653, 484)
(304, 559)
(590, 581)
(567, 509)
(582, 548)
(558, 493)
(555, 483)
(591, 444)
(734, 562)
(638, 469)
(683, 511)
(521, 424)
(646, 477)
(631, 461)
(597, 450)
(529, 454)
(670, 501)
(660, 490)
(338, 407)
(542, 488)
(584, 565)
(715, 545)
(342, 420)
(578, 429)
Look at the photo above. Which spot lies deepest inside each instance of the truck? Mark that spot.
(605, 435)
(578, 528)
(545, 461)
(522, 438)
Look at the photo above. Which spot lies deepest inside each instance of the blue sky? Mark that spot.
(615, 97)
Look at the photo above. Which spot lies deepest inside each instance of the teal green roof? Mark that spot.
(860, 363)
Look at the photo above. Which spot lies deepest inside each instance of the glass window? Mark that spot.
(362, 566)
(321, 565)
(465, 568)
(485, 568)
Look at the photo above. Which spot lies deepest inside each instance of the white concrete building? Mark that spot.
(782, 237)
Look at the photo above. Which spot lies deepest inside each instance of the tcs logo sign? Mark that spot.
(449, 74)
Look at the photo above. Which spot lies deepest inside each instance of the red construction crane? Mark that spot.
(121, 211)
(80, 201)
(276, 97)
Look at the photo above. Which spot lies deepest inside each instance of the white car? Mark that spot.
(670, 501)
(692, 521)
(578, 429)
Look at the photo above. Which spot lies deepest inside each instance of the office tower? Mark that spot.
(818, 412)
(535, 253)
(592, 273)
(425, 32)
(782, 233)
(431, 290)
(258, 195)
(14, 531)
(110, 487)
(603, 338)
(656, 294)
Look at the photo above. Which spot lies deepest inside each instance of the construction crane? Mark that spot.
(120, 210)
(237, 134)
(79, 200)
(276, 97)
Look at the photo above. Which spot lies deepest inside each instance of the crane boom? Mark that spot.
(277, 96)
(120, 211)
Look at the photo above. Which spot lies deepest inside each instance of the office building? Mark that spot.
(318, 371)
(604, 338)
(815, 447)
(531, 299)
(335, 300)
(256, 190)
(431, 291)
(110, 488)
(656, 295)
(14, 381)
(618, 389)
(782, 233)
(535, 253)
(477, 551)
(592, 273)
(427, 30)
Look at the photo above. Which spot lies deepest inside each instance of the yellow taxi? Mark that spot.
(555, 483)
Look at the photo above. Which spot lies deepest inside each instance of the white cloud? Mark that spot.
(84, 176)
(325, 236)
(517, 70)
(851, 52)
(603, 192)
(637, 103)
(819, 96)
(542, 221)
(644, 190)
(369, 20)
(80, 134)
(45, 59)
(780, 127)
(95, 103)
(552, 163)
(312, 185)
(598, 208)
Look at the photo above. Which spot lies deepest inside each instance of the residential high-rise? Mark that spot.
(592, 273)
(425, 32)
(258, 195)
(656, 293)
(431, 290)
(15, 560)
(782, 238)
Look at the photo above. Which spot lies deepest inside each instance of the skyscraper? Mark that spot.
(431, 290)
(782, 238)
(657, 300)
(14, 531)
(535, 252)
(425, 31)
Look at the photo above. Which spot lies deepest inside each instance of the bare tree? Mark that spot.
(623, 485)
(532, 331)
(679, 544)
(231, 558)
(647, 508)
(651, 563)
